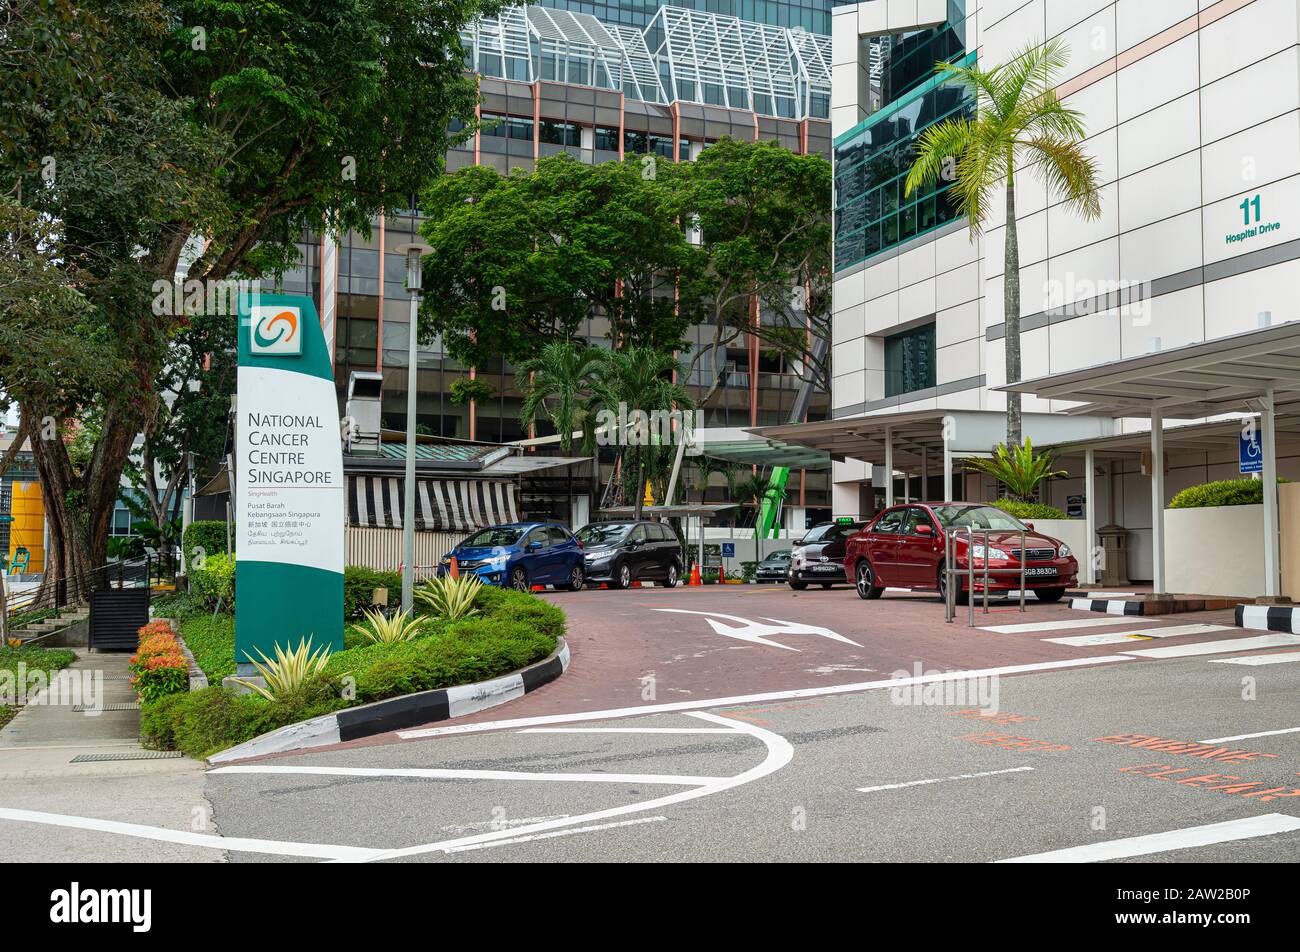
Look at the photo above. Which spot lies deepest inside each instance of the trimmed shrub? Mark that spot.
(208, 535)
(212, 642)
(215, 582)
(158, 667)
(1223, 492)
(359, 584)
(178, 605)
(1028, 510)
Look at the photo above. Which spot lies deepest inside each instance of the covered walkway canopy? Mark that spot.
(1254, 372)
(915, 440)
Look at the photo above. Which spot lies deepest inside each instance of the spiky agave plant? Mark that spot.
(450, 598)
(1017, 468)
(382, 630)
(288, 671)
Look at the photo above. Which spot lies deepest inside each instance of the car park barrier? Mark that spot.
(952, 574)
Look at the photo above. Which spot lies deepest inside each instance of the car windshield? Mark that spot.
(603, 533)
(494, 535)
(976, 517)
(782, 556)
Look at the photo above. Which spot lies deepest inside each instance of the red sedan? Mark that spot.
(903, 547)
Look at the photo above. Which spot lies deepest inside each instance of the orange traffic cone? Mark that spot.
(454, 569)
(695, 574)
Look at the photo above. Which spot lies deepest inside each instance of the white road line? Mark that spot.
(626, 730)
(1276, 640)
(186, 838)
(1282, 657)
(1224, 740)
(1192, 836)
(1116, 637)
(779, 753)
(960, 776)
(438, 773)
(703, 703)
(554, 833)
(1059, 625)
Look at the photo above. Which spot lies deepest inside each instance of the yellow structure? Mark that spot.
(27, 531)
(649, 499)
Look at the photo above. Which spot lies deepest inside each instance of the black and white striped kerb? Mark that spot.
(1269, 617)
(412, 710)
(1111, 606)
(446, 505)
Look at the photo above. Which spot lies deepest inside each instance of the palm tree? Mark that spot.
(638, 378)
(706, 466)
(1019, 125)
(557, 382)
(749, 491)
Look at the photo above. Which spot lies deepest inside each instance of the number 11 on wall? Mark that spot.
(1247, 206)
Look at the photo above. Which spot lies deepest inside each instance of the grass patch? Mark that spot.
(36, 658)
(6, 714)
(514, 629)
(212, 642)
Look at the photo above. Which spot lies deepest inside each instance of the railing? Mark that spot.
(953, 574)
(65, 592)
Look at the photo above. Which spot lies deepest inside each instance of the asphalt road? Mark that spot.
(754, 724)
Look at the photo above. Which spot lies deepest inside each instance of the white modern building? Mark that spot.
(1192, 110)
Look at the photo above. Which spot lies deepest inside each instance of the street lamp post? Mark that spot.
(414, 250)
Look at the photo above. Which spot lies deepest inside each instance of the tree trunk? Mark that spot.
(1011, 298)
(640, 486)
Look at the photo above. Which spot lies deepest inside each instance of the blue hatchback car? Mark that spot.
(521, 555)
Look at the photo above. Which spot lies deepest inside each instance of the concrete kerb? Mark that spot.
(410, 710)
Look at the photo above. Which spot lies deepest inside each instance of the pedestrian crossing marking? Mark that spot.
(1278, 640)
(1116, 637)
(1282, 657)
(1067, 625)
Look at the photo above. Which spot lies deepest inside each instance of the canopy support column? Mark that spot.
(1157, 499)
(947, 463)
(1269, 474)
(1088, 556)
(889, 467)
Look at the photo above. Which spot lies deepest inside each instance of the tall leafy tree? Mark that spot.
(524, 259)
(1020, 125)
(763, 216)
(209, 135)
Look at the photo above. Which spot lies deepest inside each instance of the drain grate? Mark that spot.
(123, 706)
(128, 755)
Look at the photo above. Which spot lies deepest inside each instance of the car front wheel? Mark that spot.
(621, 577)
(865, 581)
(577, 578)
(519, 579)
(671, 579)
(798, 586)
(1049, 594)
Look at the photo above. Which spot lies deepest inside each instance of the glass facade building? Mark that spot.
(660, 80)
(872, 211)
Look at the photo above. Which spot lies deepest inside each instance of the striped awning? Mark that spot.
(441, 505)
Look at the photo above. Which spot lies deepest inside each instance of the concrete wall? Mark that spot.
(1218, 550)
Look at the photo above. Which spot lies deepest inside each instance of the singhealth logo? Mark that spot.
(276, 331)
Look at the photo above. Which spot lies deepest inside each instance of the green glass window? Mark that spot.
(909, 361)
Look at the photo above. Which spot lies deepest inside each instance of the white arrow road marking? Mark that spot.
(1244, 829)
(757, 632)
(238, 844)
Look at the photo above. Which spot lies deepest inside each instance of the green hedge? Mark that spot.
(513, 629)
(212, 642)
(359, 584)
(36, 658)
(1223, 492)
(214, 583)
(1028, 510)
(207, 534)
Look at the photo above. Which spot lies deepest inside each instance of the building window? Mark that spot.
(560, 133)
(606, 139)
(507, 127)
(909, 361)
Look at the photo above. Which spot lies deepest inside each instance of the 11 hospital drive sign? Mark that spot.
(288, 481)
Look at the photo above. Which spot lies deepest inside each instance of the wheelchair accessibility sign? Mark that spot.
(1250, 456)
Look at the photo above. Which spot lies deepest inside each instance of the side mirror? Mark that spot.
(1029, 525)
(534, 546)
(925, 529)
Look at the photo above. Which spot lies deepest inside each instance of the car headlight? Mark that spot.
(1064, 550)
(797, 556)
(978, 552)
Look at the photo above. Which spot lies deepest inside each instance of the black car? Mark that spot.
(621, 553)
(775, 567)
(818, 557)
